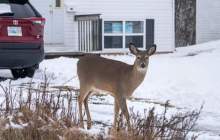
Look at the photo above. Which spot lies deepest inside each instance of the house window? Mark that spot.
(134, 32)
(118, 34)
(134, 27)
(113, 42)
(58, 3)
(114, 27)
(113, 34)
(137, 40)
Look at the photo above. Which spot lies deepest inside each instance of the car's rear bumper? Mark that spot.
(20, 55)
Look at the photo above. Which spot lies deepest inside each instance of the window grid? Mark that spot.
(124, 34)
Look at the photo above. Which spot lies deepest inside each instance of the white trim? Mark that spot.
(113, 34)
(134, 34)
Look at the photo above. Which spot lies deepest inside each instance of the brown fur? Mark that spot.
(114, 77)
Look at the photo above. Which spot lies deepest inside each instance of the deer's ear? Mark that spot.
(152, 50)
(133, 49)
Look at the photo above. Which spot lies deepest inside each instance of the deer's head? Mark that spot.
(142, 57)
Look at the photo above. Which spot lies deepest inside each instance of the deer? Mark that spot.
(98, 74)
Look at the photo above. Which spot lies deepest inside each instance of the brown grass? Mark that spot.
(153, 126)
(38, 111)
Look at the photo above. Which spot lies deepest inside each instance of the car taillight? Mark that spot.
(40, 21)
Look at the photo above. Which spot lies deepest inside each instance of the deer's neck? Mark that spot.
(137, 76)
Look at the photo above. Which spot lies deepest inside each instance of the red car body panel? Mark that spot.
(31, 32)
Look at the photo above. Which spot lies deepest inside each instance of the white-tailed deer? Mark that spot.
(113, 77)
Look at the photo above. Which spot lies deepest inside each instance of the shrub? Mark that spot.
(39, 111)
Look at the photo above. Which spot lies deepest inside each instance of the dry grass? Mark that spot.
(153, 126)
(37, 111)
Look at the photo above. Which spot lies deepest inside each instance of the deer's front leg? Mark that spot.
(116, 111)
(124, 109)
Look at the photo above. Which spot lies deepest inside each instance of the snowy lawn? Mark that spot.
(188, 78)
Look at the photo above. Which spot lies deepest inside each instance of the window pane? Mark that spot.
(58, 3)
(113, 27)
(137, 40)
(113, 41)
(134, 27)
(4, 1)
(14, 1)
(22, 10)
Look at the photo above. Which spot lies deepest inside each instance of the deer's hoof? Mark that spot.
(89, 125)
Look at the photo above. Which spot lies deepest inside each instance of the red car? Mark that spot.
(21, 37)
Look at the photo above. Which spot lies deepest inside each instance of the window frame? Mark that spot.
(123, 34)
(61, 4)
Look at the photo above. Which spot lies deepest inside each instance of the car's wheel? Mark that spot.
(30, 71)
(18, 73)
(22, 73)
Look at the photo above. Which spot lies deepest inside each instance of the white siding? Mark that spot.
(208, 20)
(70, 31)
(160, 10)
(54, 28)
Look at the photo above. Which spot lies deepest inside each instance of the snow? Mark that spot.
(5, 8)
(13, 125)
(188, 78)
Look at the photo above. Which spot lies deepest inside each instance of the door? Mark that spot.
(52, 10)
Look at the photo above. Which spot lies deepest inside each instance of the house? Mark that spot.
(109, 25)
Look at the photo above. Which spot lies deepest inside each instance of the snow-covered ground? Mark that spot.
(188, 78)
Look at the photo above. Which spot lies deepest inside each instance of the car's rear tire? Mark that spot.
(30, 72)
(18, 73)
(24, 72)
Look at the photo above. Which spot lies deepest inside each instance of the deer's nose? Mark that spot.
(143, 65)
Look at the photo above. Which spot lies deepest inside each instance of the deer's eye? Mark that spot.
(138, 57)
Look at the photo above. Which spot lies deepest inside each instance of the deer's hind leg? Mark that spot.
(89, 121)
(82, 95)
